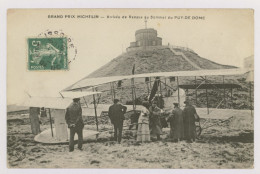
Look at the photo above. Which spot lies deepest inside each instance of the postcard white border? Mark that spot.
(5, 4)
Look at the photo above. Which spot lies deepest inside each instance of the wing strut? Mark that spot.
(95, 107)
(224, 91)
(178, 90)
(196, 92)
(51, 122)
(250, 98)
(207, 95)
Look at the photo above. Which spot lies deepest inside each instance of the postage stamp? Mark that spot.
(47, 54)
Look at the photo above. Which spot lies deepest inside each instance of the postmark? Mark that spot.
(72, 50)
(47, 53)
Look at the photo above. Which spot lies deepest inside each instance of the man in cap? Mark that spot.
(75, 123)
(116, 114)
(189, 113)
(155, 113)
(176, 122)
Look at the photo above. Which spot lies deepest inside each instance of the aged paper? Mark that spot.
(54, 51)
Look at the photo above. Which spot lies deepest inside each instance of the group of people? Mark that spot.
(182, 122)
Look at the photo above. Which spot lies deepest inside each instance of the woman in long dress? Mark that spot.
(143, 132)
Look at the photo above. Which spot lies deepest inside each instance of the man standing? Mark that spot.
(75, 123)
(116, 114)
(176, 122)
(189, 122)
(156, 127)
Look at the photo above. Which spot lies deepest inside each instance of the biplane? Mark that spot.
(90, 87)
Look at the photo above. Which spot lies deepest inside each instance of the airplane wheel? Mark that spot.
(198, 131)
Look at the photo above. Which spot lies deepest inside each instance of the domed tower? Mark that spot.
(145, 38)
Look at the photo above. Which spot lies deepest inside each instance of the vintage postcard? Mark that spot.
(130, 88)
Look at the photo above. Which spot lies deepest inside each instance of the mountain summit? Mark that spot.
(149, 56)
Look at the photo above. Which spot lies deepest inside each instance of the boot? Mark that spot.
(158, 137)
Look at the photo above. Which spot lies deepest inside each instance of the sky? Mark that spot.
(223, 36)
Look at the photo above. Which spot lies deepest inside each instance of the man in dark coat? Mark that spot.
(155, 122)
(75, 123)
(189, 122)
(116, 114)
(176, 122)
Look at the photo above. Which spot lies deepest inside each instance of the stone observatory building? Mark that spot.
(145, 37)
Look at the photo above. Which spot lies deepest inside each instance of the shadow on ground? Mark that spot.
(243, 137)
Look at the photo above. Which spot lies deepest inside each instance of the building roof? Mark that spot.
(145, 30)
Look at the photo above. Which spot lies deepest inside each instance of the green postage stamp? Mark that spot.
(47, 54)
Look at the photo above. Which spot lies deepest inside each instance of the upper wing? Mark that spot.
(91, 82)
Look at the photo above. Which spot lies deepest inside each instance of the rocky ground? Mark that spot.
(227, 145)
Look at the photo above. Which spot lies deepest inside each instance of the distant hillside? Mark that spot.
(16, 108)
(158, 59)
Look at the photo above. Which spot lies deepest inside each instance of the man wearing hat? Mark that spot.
(75, 123)
(155, 113)
(116, 114)
(189, 113)
(176, 122)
